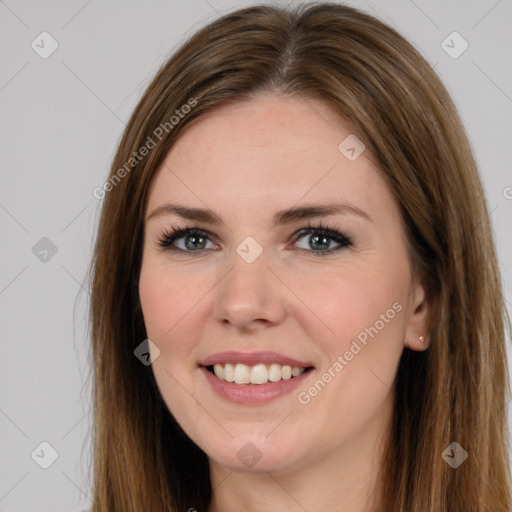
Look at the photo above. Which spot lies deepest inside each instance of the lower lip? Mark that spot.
(253, 393)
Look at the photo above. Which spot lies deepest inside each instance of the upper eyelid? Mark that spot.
(186, 230)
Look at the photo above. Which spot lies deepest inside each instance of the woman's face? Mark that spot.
(253, 296)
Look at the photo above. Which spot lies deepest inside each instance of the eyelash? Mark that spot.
(167, 238)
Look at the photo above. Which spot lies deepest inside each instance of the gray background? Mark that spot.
(61, 118)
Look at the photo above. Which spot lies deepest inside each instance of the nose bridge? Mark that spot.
(249, 291)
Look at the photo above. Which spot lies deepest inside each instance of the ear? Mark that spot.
(417, 329)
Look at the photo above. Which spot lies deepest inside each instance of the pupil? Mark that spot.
(324, 241)
(195, 242)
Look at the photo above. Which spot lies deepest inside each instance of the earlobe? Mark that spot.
(420, 343)
(417, 336)
(424, 342)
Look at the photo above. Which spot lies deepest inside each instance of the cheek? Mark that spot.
(165, 297)
(366, 312)
(168, 300)
(364, 308)
(350, 302)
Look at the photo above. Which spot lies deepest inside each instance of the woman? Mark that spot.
(295, 236)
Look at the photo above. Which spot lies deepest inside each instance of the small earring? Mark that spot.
(422, 339)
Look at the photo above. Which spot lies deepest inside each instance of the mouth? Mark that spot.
(252, 378)
(257, 374)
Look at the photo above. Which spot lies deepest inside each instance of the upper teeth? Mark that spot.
(258, 374)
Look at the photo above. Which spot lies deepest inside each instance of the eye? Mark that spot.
(319, 240)
(185, 240)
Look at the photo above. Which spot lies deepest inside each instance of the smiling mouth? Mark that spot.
(258, 374)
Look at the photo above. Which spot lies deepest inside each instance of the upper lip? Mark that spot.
(253, 358)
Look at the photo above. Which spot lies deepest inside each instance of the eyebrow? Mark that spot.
(282, 217)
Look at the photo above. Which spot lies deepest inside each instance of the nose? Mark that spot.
(250, 297)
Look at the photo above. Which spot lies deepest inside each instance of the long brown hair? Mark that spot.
(453, 392)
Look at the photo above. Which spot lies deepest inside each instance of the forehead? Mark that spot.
(270, 151)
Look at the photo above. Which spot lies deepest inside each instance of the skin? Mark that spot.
(246, 162)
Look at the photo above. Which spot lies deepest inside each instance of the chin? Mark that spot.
(255, 453)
